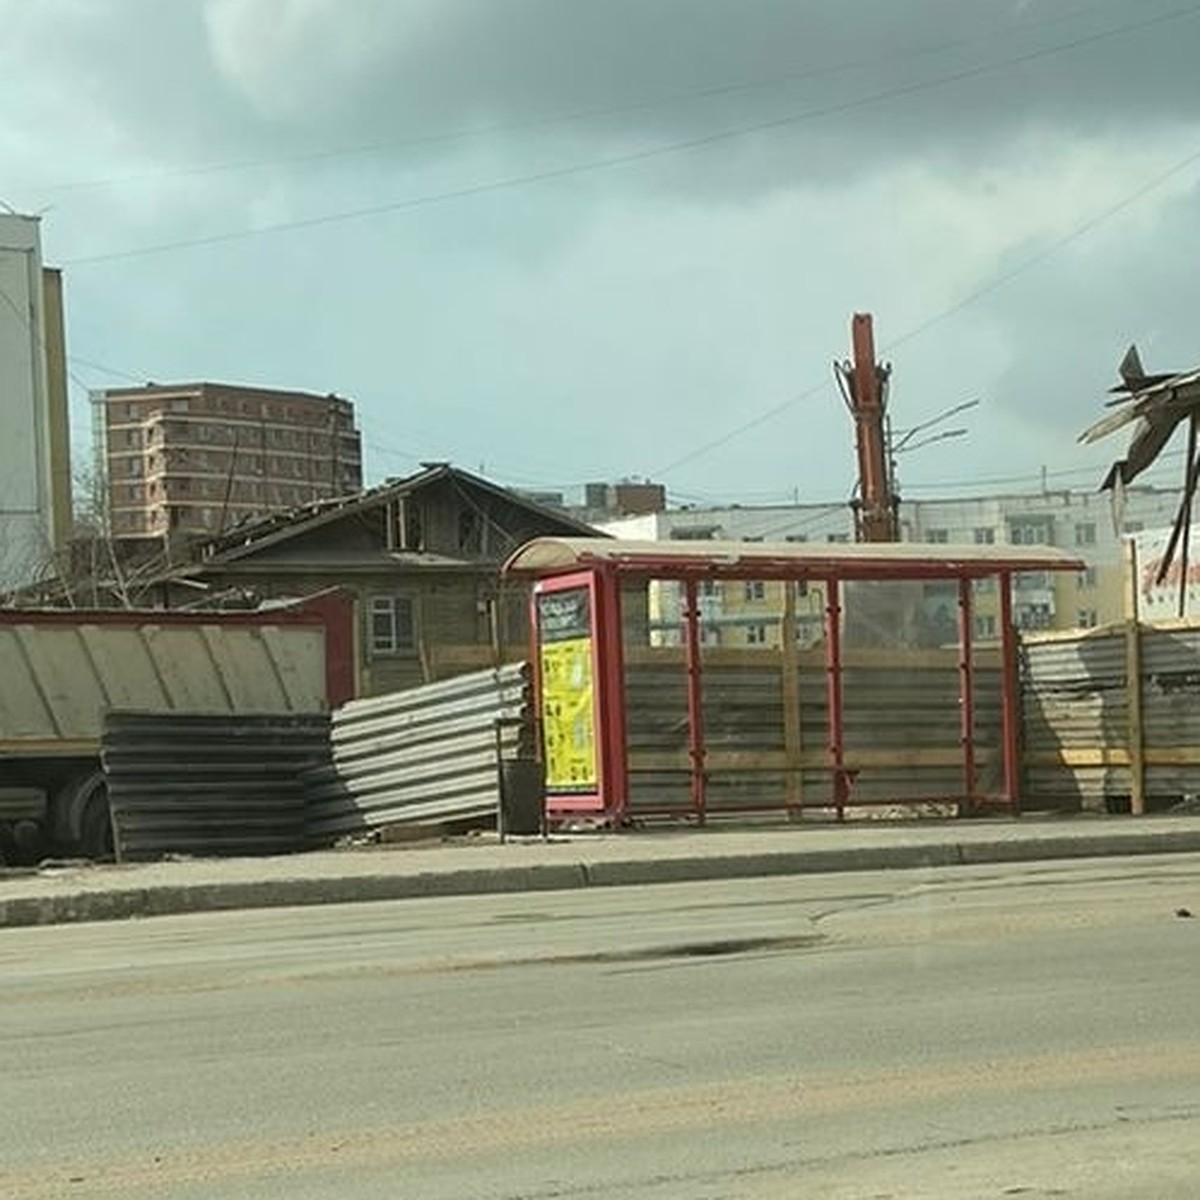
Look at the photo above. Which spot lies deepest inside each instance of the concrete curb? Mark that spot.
(172, 899)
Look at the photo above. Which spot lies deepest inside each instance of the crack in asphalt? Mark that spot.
(1180, 1115)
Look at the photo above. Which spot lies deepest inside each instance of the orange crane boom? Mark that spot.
(864, 386)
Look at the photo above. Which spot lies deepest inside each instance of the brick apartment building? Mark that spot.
(198, 458)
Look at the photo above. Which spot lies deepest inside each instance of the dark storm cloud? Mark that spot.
(228, 81)
(674, 69)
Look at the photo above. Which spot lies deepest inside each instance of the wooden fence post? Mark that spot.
(789, 666)
(1135, 733)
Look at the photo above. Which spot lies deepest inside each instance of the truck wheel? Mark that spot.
(83, 817)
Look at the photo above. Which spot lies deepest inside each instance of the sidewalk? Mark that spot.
(481, 866)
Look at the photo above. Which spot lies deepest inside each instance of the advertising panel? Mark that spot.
(1160, 601)
(568, 690)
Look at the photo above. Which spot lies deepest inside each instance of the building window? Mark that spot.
(985, 535)
(1034, 616)
(1133, 527)
(1029, 533)
(708, 587)
(796, 537)
(1087, 618)
(837, 537)
(1085, 534)
(392, 630)
(938, 536)
(985, 626)
(470, 531)
(1086, 578)
(756, 589)
(756, 635)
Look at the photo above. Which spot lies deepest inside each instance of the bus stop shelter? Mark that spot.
(579, 647)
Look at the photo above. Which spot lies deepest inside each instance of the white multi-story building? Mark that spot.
(1079, 521)
(35, 482)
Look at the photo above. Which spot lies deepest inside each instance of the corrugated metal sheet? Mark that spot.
(59, 680)
(1074, 705)
(421, 755)
(186, 783)
(1089, 662)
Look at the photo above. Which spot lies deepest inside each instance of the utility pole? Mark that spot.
(863, 383)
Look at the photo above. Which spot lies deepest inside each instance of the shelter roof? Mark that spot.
(785, 560)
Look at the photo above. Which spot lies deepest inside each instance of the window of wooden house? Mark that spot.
(470, 531)
(392, 626)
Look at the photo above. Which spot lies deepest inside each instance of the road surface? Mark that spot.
(1025, 1031)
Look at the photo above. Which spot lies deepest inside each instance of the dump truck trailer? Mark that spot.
(61, 672)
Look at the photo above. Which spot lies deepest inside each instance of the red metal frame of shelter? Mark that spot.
(602, 565)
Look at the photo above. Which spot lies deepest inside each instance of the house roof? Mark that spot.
(785, 560)
(254, 535)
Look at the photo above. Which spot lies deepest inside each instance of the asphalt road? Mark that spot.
(1024, 1031)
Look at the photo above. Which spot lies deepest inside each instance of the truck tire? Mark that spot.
(83, 823)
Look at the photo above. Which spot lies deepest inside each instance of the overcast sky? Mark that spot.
(565, 240)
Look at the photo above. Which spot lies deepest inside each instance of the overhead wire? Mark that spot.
(591, 166)
(27, 323)
(104, 369)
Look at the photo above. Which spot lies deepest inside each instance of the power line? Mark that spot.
(40, 334)
(115, 372)
(592, 166)
(958, 306)
(568, 116)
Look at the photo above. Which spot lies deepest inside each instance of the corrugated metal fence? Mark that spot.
(186, 783)
(766, 733)
(1093, 742)
(430, 753)
(195, 784)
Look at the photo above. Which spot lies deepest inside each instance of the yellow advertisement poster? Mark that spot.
(568, 691)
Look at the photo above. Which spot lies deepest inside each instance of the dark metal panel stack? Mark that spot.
(184, 783)
(430, 754)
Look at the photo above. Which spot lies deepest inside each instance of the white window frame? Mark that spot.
(392, 643)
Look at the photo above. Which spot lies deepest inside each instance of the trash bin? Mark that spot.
(522, 797)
